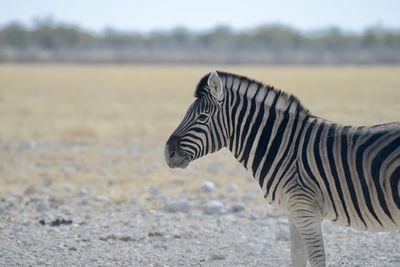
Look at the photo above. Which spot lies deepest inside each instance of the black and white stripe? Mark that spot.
(313, 168)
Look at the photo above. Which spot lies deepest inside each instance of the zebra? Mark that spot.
(312, 168)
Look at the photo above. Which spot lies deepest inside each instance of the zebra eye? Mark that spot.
(202, 117)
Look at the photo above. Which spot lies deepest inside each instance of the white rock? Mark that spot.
(214, 207)
(208, 186)
(176, 205)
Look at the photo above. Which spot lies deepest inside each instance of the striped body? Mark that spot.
(356, 170)
(313, 168)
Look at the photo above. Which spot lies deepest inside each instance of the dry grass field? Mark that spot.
(73, 130)
(139, 106)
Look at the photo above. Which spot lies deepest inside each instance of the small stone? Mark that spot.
(59, 222)
(214, 207)
(68, 187)
(238, 207)
(55, 201)
(154, 190)
(32, 189)
(176, 205)
(282, 221)
(253, 217)
(217, 257)
(232, 188)
(3, 207)
(36, 199)
(42, 206)
(102, 198)
(208, 187)
(155, 234)
(83, 191)
(13, 199)
(113, 237)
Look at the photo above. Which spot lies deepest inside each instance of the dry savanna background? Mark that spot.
(137, 107)
(81, 150)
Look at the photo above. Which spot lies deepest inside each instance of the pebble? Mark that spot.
(55, 201)
(3, 207)
(68, 187)
(83, 191)
(42, 206)
(13, 198)
(232, 188)
(35, 199)
(208, 187)
(32, 190)
(177, 205)
(253, 217)
(153, 190)
(238, 207)
(214, 207)
(101, 198)
(217, 257)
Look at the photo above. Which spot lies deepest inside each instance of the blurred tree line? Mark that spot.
(47, 41)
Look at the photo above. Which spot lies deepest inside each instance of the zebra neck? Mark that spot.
(263, 124)
(267, 144)
(264, 141)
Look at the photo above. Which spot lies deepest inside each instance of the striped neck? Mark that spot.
(259, 118)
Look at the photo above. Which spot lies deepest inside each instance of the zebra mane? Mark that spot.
(284, 101)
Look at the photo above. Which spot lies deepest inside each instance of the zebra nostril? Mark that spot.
(172, 154)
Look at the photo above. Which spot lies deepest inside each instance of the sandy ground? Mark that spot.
(83, 181)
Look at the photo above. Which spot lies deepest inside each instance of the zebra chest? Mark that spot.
(275, 190)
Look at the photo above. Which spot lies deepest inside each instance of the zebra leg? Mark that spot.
(297, 251)
(307, 223)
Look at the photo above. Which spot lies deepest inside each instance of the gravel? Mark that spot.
(133, 234)
(63, 223)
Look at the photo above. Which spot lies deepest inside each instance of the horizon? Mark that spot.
(139, 17)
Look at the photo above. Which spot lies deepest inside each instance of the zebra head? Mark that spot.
(203, 129)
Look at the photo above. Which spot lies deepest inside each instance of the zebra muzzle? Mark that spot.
(174, 155)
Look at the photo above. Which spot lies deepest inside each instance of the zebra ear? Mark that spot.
(215, 85)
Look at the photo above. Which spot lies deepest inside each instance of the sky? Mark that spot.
(148, 15)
